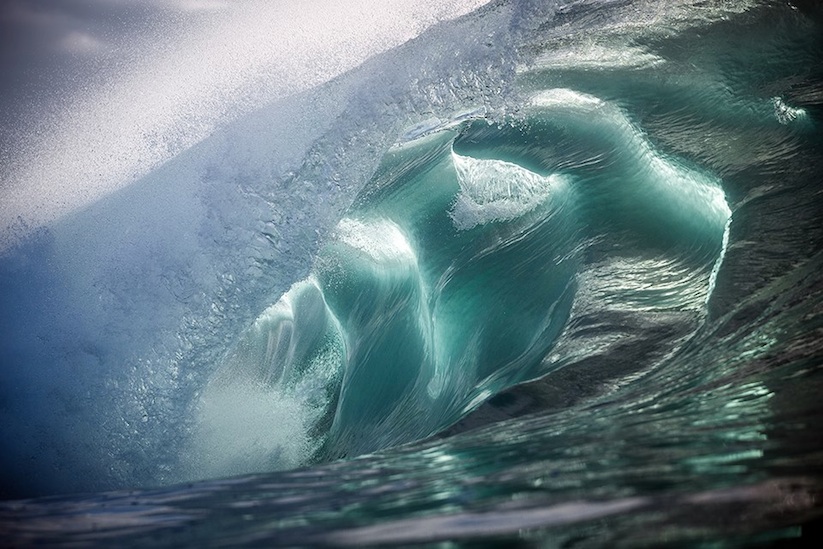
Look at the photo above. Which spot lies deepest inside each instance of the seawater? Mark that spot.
(547, 275)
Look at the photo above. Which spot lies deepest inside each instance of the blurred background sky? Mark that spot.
(47, 47)
(94, 94)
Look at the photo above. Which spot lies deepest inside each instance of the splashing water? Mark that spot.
(547, 273)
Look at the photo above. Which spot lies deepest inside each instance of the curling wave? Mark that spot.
(452, 279)
(549, 273)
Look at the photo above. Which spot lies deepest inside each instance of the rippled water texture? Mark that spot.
(548, 275)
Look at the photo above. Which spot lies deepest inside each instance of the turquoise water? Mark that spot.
(549, 275)
(454, 274)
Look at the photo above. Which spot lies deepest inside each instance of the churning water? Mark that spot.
(547, 274)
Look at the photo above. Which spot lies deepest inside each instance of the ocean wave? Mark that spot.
(547, 273)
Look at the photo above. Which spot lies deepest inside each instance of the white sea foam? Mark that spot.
(496, 190)
(381, 240)
(256, 413)
(598, 57)
(786, 114)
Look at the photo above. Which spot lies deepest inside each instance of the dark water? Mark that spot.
(551, 276)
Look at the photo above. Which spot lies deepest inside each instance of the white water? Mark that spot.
(161, 100)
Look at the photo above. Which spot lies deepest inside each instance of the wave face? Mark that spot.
(453, 275)
(548, 273)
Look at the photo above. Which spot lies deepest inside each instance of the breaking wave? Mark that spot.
(546, 271)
